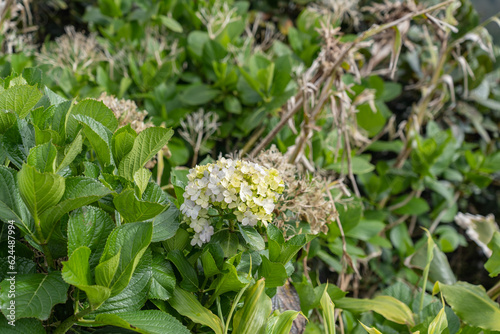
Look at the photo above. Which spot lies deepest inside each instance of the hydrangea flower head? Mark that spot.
(244, 189)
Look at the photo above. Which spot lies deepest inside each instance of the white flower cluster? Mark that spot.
(243, 188)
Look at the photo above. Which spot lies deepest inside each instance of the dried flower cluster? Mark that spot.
(126, 112)
(73, 50)
(197, 128)
(242, 188)
(16, 27)
(304, 198)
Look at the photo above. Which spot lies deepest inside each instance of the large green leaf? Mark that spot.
(146, 145)
(165, 225)
(76, 271)
(11, 205)
(93, 109)
(133, 209)
(79, 191)
(70, 153)
(230, 280)
(130, 241)
(89, 226)
(253, 239)
(147, 322)
(39, 191)
(20, 99)
(187, 305)
(36, 294)
(190, 278)
(274, 272)
(7, 119)
(22, 326)
(252, 318)
(122, 142)
(17, 142)
(135, 295)
(471, 304)
(389, 307)
(163, 279)
(43, 157)
(99, 137)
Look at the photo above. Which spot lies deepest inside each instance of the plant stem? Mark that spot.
(69, 322)
(494, 292)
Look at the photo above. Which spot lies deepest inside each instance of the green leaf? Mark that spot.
(415, 206)
(122, 142)
(147, 322)
(232, 104)
(94, 109)
(493, 263)
(370, 330)
(141, 179)
(252, 318)
(274, 272)
(11, 205)
(163, 279)
(70, 153)
(89, 226)
(135, 295)
(17, 142)
(33, 76)
(328, 313)
(146, 145)
(166, 224)
(39, 191)
(198, 94)
(79, 191)
(389, 307)
(227, 240)
(230, 280)
(135, 210)
(439, 323)
(209, 266)
(22, 326)
(99, 137)
(253, 239)
(7, 120)
(190, 278)
(187, 305)
(171, 24)
(281, 324)
(20, 99)
(130, 241)
(43, 157)
(36, 294)
(471, 304)
(358, 164)
(76, 271)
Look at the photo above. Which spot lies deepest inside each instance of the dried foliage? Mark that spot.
(305, 197)
(73, 50)
(16, 26)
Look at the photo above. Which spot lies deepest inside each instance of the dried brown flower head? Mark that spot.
(304, 199)
(73, 50)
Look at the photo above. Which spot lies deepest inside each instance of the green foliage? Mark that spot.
(407, 128)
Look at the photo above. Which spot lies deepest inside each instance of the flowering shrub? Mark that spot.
(243, 189)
